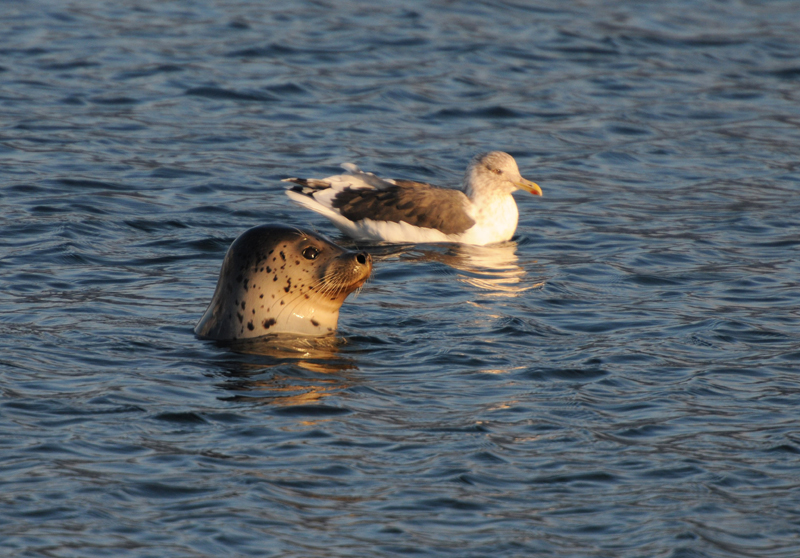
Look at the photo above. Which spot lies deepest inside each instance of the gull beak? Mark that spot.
(528, 186)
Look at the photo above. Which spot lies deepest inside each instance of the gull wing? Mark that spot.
(415, 203)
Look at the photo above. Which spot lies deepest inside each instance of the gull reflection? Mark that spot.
(286, 370)
(494, 269)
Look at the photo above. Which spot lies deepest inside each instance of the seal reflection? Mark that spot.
(286, 370)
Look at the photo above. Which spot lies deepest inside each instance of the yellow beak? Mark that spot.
(528, 186)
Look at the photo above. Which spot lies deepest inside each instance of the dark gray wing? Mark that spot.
(416, 203)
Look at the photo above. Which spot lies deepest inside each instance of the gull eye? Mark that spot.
(310, 253)
(494, 170)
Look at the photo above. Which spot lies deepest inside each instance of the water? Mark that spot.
(620, 380)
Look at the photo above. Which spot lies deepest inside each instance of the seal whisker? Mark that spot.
(285, 302)
(288, 303)
(328, 285)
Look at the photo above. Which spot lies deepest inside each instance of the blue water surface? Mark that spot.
(620, 380)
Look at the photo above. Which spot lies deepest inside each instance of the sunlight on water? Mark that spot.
(620, 379)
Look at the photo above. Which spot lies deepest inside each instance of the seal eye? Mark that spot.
(310, 253)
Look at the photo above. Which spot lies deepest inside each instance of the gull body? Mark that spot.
(367, 207)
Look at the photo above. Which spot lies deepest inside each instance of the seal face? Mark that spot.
(279, 279)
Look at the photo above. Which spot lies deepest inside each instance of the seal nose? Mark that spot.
(363, 258)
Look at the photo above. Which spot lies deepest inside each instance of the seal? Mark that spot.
(279, 279)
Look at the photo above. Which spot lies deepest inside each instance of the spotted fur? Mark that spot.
(262, 291)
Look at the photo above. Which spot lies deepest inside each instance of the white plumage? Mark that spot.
(366, 207)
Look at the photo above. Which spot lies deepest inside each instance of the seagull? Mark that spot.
(367, 207)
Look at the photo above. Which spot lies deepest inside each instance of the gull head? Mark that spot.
(497, 171)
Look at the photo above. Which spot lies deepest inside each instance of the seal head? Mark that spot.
(279, 279)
